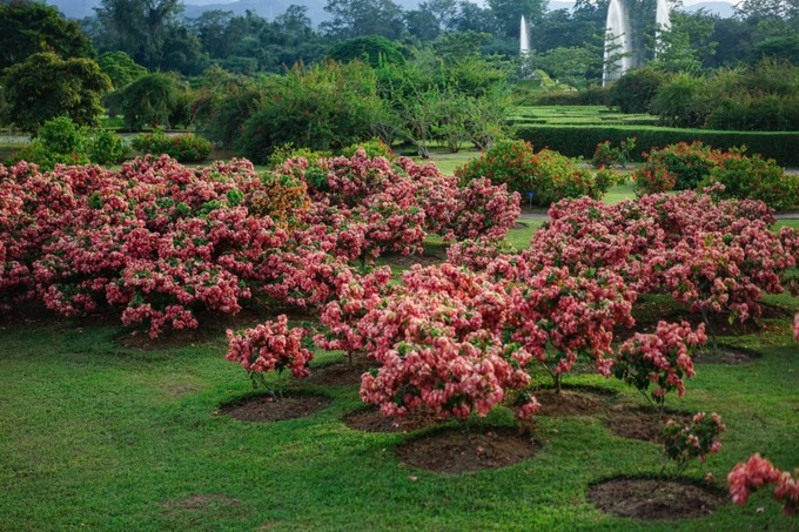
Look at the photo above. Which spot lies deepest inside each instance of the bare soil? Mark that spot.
(458, 451)
(652, 499)
(263, 408)
(343, 374)
(212, 327)
(371, 420)
(648, 313)
(640, 423)
(568, 403)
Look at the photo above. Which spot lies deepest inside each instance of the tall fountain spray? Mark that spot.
(524, 38)
(618, 42)
(663, 22)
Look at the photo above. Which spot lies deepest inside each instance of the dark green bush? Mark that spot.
(322, 107)
(105, 147)
(755, 178)
(59, 141)
(153, 100)
(635, 90)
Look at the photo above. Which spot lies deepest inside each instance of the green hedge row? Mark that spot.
(575, 141)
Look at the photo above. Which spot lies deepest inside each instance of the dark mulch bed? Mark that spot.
(725, 355)
(371, 420)
(649, 313)
(406, 261)
(344, 374)
(212, 327)
(457, 451)
(263, 408)
(568, 403)
(651, 499)
(640, 423)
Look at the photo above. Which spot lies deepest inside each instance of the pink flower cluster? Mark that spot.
(395, 205)
(156, 239)
(698, 438)
(663, 358)
(268, 347)
(716, 256)
(759, 472)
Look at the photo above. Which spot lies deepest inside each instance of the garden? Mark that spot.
(365, 341)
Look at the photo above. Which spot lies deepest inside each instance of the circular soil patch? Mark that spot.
(456, 451)
(650, 499)
(371, 420)
(568, 403)
(263, 408)
(726, 355)
(648, 314)
(406, 261)
(344, 374)
(639, 423)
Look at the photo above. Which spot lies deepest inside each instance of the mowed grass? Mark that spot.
(97, 435)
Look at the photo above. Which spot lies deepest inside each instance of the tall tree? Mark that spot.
(137, 27)
(46, 86)
(31, 27)
(508, 14)
(357, 18)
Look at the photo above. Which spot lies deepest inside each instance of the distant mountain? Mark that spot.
(269, 9)
(722, 9)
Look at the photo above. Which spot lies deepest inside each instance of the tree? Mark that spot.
(46, 86)
(27, 28)
(154, 99)
(139, 28)
(372, 50)
(508, 14)
(120, 68)
(356, 18)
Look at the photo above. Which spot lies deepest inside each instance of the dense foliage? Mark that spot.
(547, 175)
(185, 148)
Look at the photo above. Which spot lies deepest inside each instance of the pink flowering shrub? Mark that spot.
(156, 239)
(395, 205)
(557, 317)
(695, 439)
(796, 327)
(715, 256)
(269, 347)
(758, 473)
(663, 359)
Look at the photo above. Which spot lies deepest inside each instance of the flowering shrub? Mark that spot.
(186, 148)
(549, 175)
(698, 438)
(663, 358)
(796, 327)
(679, 166)
(155, 239)
(604, 179)
(606, 155)
(755, 178)
(268, 347)
(758, 473)
(395, 205)
(557, 317)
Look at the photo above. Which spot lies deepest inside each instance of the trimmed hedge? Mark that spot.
(577, 141)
